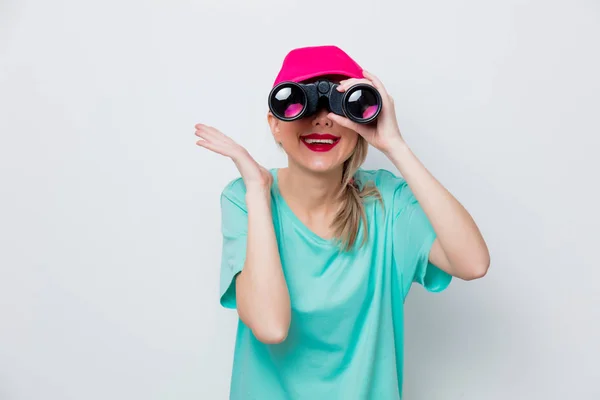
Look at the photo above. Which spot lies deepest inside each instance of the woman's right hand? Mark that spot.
(254, 175)
(262, 297)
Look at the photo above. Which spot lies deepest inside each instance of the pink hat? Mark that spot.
(308, 62)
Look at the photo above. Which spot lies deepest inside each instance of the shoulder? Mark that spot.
(385, 181)
(234, 193)
(393, 188)
(382, 178)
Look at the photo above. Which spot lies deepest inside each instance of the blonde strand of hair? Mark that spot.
(352, 209)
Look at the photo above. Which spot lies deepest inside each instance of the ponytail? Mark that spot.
(352, 210)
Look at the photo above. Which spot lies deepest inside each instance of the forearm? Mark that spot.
(456, 230)
(263, 300)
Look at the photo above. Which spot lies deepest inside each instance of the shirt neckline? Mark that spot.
(290, 213)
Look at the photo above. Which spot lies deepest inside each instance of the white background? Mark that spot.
(109, 212)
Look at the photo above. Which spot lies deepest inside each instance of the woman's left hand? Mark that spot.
(383, 135)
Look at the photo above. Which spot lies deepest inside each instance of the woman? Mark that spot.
(318, 257)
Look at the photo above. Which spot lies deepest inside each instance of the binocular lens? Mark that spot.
(362, 103)
(288, 101)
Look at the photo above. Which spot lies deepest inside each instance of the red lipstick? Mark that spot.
(320, 141)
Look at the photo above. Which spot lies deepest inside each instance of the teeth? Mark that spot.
(327, 141)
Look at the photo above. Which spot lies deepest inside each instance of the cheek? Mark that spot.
(288, 132)
(350, 142)
(353, 140)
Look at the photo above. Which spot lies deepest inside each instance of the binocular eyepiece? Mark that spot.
(289, 101)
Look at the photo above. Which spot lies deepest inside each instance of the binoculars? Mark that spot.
(289, 101)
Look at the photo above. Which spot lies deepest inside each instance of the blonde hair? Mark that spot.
(352, 209)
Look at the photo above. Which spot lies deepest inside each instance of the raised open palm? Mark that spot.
(252, 173)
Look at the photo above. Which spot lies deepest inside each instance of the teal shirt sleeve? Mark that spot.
(234, 229)
(413, 237)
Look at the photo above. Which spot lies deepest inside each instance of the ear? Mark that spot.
(274, 125)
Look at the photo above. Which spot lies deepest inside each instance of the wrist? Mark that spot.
(258, 193)
(396, 148)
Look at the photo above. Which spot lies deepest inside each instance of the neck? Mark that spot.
(308, 190)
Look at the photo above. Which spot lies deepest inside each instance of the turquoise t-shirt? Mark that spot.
(347, 328)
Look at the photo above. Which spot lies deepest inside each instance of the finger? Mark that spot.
(203, 127)
(213, 138)
(204, 134)
(347, 84)
(206, 144)
(376, 82)
(217, 135)
(211, 133)
(345, 122)
(212, 147)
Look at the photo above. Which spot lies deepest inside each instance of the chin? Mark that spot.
(321, 167)
(319, 164)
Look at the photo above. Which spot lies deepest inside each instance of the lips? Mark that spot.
(320, 141)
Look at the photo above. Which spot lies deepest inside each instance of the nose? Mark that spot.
(321, 119)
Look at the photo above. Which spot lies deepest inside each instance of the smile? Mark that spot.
(328, 141)
(320, 142)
